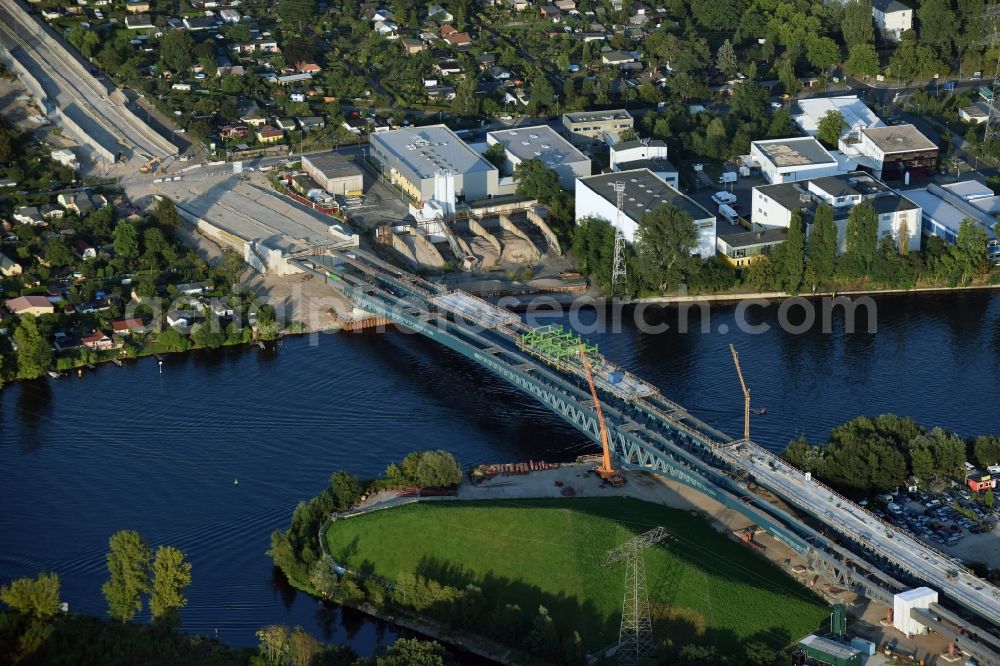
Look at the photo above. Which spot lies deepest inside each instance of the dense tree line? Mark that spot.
(298, 551)
(868, 454)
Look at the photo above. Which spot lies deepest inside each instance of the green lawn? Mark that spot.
(549, 552)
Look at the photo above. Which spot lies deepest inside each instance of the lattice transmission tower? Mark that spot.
(991, 34)
(636, 644)
(618, 262)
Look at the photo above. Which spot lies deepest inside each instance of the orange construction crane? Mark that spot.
(606, 471)
(746, 395)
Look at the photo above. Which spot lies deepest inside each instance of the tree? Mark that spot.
(831, 127)
(412, 652)
(166, 214)
(57, 252)
(297, 13)
(761, 273)
(34, 355)
(34, 597)
(823, 244)
(789, 257)
(786, 74)
(862, 61)
(536, 180)
(862, 241)
(128, 564)
(126, 240)
(938, 26)
(781, 125)
(542, 94)
(302, 647)
(725, 59)
(857, 25)
(969, 250)
(346, 490)
(496, 155)
(177, 50)
(987, 450)
(822, 52)
(665, 240)
(759, 653)
(171, 576)
(273, 646)
(466, 101)
(230, 268)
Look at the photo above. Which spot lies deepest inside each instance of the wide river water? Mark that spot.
(161, 452)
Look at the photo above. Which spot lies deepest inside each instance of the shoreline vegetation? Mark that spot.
(481, 574)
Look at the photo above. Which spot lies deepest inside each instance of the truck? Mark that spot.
(727, 212)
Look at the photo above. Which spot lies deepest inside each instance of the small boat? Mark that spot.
(54, 375)
(117, 361)
(760, 411)
(91, 366)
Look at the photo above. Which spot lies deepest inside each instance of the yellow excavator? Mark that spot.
(150, 165)
(605, 470)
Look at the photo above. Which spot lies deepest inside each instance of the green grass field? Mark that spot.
(549, 552)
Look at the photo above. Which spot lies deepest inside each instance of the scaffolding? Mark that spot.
(553, 343)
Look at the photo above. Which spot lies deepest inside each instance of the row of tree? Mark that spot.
(868, 455)
(298, 552)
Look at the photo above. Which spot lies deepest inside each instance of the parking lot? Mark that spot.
(742, 189)
(951, 521)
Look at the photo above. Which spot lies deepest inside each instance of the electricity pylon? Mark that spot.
(618, 263)
(991, 28)
(635, 640)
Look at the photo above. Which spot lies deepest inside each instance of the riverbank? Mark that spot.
(597, 513)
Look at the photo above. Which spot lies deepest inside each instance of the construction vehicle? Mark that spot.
(604, 470)
(746, 395)
(150, 165)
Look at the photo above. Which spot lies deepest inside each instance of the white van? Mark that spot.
(727, 211)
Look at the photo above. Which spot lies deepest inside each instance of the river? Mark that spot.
(213, 453)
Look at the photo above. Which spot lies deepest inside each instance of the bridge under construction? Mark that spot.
(646, 431)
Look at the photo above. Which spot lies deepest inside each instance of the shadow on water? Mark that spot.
(281, 588)
(34, 408)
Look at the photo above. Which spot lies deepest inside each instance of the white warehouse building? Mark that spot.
(411, 158)
(773, 205)
(644, 154)
(643, 193)
(542, 143)
(789, 160)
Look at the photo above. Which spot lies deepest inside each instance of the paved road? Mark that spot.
(71, 88)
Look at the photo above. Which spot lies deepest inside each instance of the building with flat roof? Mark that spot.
(898, 152)
(827, 651)
(644, 192)
(741, 248)
(789, 160)
(855, 113)
(335, 173)
(945, 208)
(411, 157)
(774, 205)
(644, 154)
(542, 143)
(588, 125)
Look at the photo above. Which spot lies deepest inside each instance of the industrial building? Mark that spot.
(541, 143)
(855, 113)
(642, 192)
(899, 152)
(589, 125)
(773, 205)
(945, 207)
(409, 158)
(828, 652)
(336, 174)
(790, 160)
(644, 154)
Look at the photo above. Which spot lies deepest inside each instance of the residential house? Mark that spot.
(253, 119)
(618, 57)
(201, 23)
(287, 124)
(229, 15)
(126, 327)
(192, 288)
(9, 267)
(62, 342)
(233, 131)
(84, 249)
(412, 46)
(519, 5)
(51, 212)
(355, 125)
(309, 67)
(269, 134)
(567, 6)
(34, 305)
(262, 44)
(311, 122)
(139, 22)
(387, 29)
(293, 78)
(98, 341)
(137, 7)
(439, 13)
(28, 215)
(892, 18)
(448, 67)
(548, 11)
